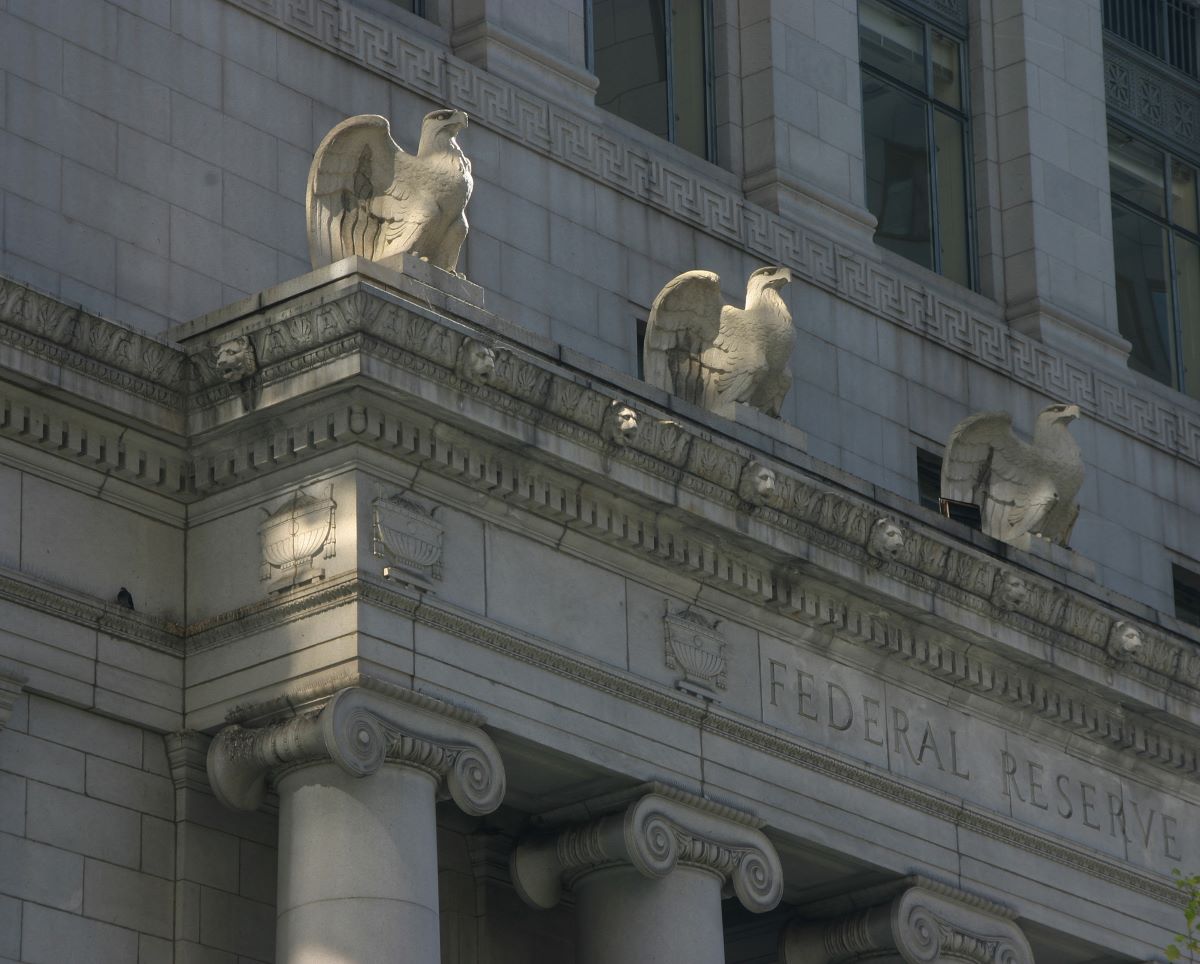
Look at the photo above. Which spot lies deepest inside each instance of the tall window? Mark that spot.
(1156, 246)
(1165, 28)
(915, 129)
(653, 60)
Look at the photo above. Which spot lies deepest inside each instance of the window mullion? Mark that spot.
(669, 40)
(935, 223)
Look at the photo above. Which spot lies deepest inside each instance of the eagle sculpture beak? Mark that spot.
(1070, 413)
(459, 121)
(783, 277)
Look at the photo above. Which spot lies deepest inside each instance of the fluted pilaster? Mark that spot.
(916, 921)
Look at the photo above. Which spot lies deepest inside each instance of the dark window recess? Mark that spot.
(929, 480)
(1156, 248)
(929, 492)
(641, 344)
(1166, 29)
(916, 139)
(1187, 595)
(653, 59)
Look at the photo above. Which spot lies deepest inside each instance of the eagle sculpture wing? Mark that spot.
(350, 199)
(986, 464)
(685, 320)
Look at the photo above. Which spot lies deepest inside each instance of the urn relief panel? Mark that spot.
(408, 537)
(294, 536)
(695, 647)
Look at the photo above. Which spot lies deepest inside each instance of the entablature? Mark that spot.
(360, 356)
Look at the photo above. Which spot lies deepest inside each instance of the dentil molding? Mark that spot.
(924, 922)
(360, 728)
(659, 830)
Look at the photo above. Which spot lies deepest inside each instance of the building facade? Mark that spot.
(375, 613)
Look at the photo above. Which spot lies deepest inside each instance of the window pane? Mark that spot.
(947, 78)
(897, 170)
(1136, 171)
(1144, 293)
(1183, 194)
(691, 100)
(891, 43)
(629, 39)
(1187, 280)
(952, 197)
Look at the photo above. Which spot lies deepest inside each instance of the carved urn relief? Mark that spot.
(694, 646)
(409, 537)
(293, 536)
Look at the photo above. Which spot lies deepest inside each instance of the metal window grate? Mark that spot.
(1165, 28)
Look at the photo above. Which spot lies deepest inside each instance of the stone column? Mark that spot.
(913, 921)
(358, 776)
(648, 875)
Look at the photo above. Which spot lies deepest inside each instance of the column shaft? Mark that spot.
(357, 867)
(627, 918)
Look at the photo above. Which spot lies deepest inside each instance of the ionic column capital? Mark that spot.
(660, 830)
(922, 921)
(11, 683)
(360, 728)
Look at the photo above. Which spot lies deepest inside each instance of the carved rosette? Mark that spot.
(293, 536)
(656, 833)
(694, 646)
(409, 537)
(360, 730)
(920, 920)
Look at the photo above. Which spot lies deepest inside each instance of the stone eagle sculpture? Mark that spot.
(715, 355)
(368, 197)
(1020, 488)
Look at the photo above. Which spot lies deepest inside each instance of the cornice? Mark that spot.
(691, 192)
(107, 617)
(41, 326)
(671, 456)
(360, 728)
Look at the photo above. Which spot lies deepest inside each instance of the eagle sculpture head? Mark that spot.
(439, 128)
(774, 277)
(1053, 421)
